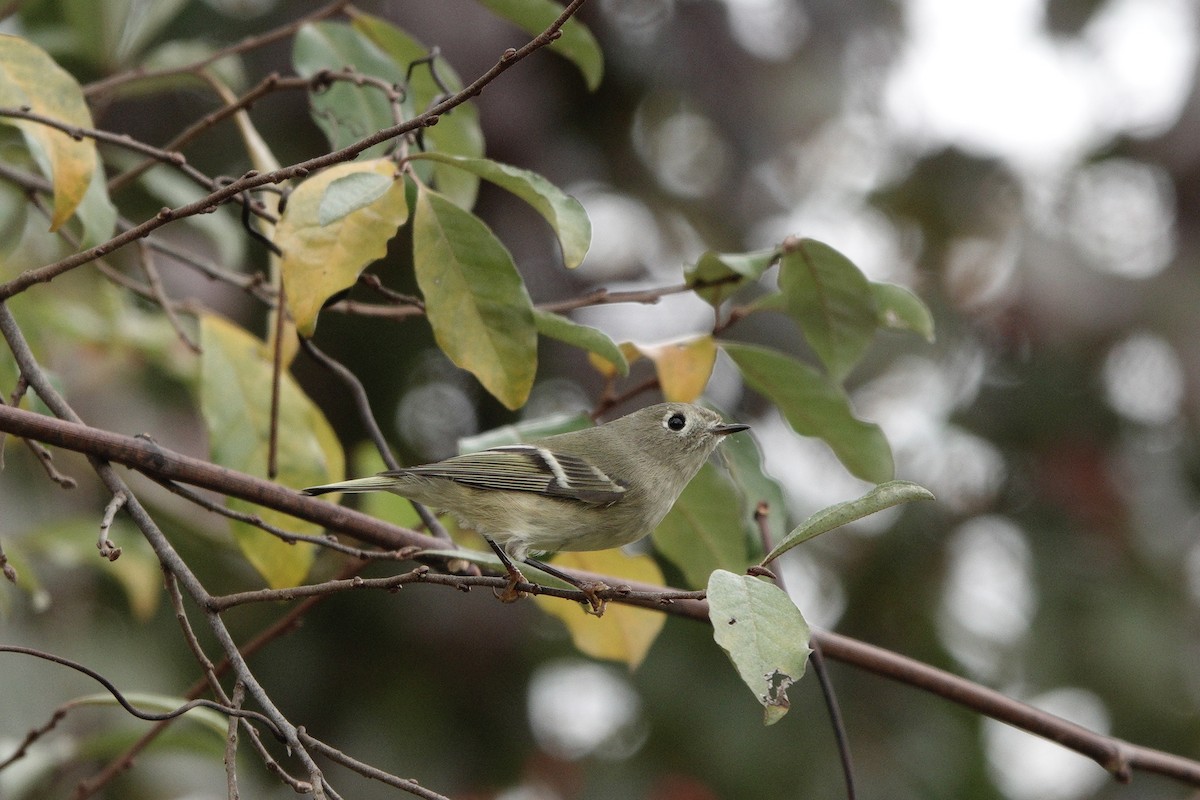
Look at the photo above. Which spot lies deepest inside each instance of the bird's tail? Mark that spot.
(376, 483)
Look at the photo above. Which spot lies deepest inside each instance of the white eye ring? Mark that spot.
(676, 422)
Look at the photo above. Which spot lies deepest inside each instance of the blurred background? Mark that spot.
(1030, 168)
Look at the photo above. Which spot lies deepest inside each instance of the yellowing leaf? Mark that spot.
(235, 392)
(321, 260)
(29, 77)
(624, 633)
(683, 367)
(608, 368)
(477, 305)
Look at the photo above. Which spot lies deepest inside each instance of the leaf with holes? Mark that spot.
(763, 633)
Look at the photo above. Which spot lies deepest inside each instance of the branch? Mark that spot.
(249, 43)
(253, 179)
(1117, 756)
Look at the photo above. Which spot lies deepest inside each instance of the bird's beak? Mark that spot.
(732, 427)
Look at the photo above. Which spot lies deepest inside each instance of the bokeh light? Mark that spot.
(582, 708)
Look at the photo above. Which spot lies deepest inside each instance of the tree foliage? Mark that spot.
(144, 290)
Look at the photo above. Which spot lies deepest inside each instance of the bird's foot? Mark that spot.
(510, 593)
(596, 604)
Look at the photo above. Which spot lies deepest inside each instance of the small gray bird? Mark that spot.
(591, 489)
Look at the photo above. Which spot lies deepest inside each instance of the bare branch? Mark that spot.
(103, 544)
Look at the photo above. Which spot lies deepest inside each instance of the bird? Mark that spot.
(592, 489)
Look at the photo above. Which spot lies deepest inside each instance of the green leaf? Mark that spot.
(235, 399)
(458, 131)
(349, 193)
(703, 531)
(344, 111)
(882, 496)
(29, 77)
(115, 34)
(576, 44)
(899, 308)
(564, 213)
(594, 340)
(831, 300)
(814, 406)
(96, 211)
(763, 632)
(321, 259)
(744, 461)
(477, 305)
(717, 276)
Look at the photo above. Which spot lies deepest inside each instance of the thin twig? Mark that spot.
(6, 568)
(253, 179)
(362, 404)
(761, 516)
(104, 544)
(167, 556)
(149, 716)
(291, 537)
(366, 770)
(285, 624)
(154, 281)
(1118, 756)
(276, 383)
(249, 43)
(231, 743)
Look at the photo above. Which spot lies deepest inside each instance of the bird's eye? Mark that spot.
(676, 422)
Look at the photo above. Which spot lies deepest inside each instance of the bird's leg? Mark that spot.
(509, 593)
(589, 588)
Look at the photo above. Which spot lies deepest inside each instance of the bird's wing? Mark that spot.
(526, 468)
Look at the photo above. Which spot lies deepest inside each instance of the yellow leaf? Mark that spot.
(608, 369)
(29, 77)
(624, 633)
(683, 367)
(235, 392)
(320, 260)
